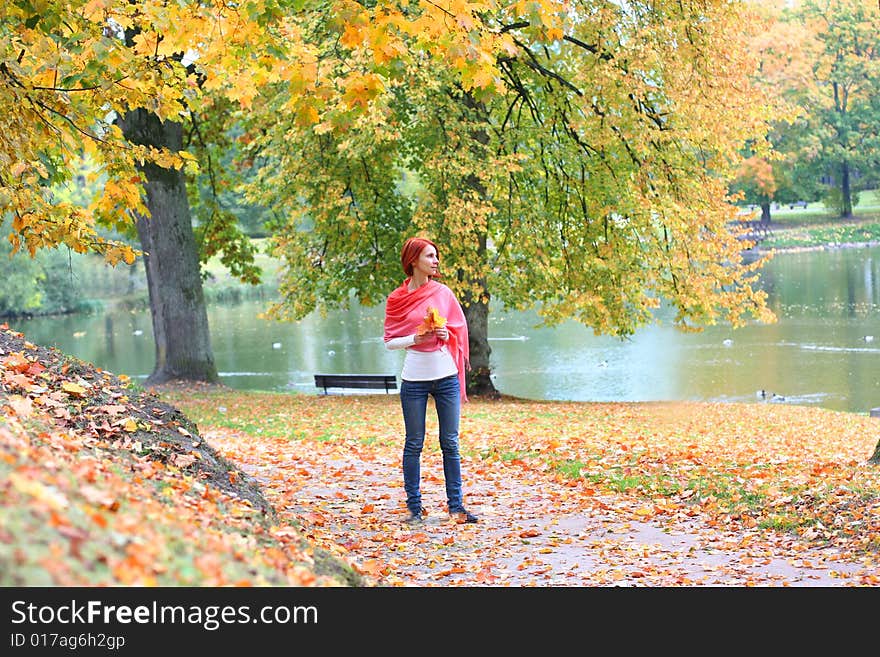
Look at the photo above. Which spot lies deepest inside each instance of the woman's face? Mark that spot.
(427, 263)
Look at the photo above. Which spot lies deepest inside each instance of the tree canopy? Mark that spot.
(572, 155)
(66, 74)
(569, 155)
(841, 90)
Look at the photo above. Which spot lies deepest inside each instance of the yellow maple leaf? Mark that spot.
(49, 495)
(73, 389)
(433, 319)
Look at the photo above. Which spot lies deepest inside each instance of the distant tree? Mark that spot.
(771, 176)
(757, 181)
(839, 96)
(21, 291)
(44, 284)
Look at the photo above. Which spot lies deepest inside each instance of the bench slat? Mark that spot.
(386, 382)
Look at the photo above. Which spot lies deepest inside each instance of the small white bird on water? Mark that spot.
(276, 345)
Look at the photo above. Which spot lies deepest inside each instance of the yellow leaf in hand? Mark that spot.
(433, 320)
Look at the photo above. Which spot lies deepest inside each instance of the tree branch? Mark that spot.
(533, 63)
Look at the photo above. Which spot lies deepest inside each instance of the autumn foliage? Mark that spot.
(104, 485)
(573, 158)
(67, 74)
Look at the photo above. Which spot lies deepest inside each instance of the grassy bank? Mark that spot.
(770, 466)
(860, 230)
(817, 227)
(102, 484)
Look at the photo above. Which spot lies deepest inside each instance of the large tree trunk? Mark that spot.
(177, 302)
(476, 311)
(845, 191)
(765, 212)
(476, 307)
(479, 381)
(875, 457)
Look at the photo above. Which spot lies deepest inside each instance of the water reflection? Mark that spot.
(817, 354)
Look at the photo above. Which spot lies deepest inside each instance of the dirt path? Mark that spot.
(534, 530)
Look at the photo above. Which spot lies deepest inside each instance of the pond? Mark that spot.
(821, 352)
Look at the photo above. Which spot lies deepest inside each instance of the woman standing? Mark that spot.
(435, 363)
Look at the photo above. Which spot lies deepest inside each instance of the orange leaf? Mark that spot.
(35, 368)
(433, 320)
(16, 363)
(183, 460)
(371, 566)
(98, 519)
(21, 406)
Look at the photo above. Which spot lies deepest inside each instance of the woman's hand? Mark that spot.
(441, 334)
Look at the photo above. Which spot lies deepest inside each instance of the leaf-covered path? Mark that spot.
(536, 528)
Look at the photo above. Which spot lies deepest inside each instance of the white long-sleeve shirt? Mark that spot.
(423, 365)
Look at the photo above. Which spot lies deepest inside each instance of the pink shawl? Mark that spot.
(405, 310)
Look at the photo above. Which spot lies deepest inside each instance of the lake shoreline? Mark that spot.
(828, 246)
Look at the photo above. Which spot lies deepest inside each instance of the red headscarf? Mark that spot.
(406, 309)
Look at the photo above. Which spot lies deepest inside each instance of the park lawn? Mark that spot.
(786, 468)
(818, 227)
(862, 230)
(868, 208)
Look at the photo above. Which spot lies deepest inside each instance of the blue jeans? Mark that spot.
(414, 402)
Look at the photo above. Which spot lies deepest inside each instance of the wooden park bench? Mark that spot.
(341, 382)
(754, 231)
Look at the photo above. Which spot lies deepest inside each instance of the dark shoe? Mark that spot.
(414, 517)
(462, 516)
